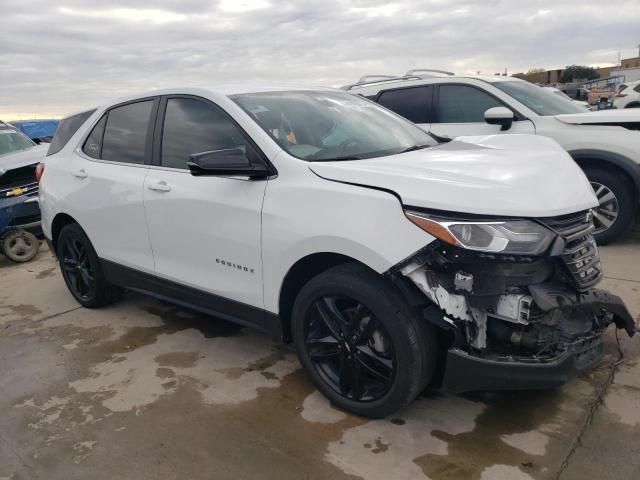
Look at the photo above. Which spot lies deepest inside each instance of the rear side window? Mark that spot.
(67, 128)
(93, 144)
(125, 133)
(194, 126)
(414, 103)
(462, 104)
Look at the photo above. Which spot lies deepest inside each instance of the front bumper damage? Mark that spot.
(512, 322)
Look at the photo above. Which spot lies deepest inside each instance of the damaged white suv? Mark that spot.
(389, 260)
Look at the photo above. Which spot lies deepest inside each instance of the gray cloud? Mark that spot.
(60, 58)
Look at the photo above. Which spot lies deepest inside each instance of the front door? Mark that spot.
(459, 110)
(205, 230)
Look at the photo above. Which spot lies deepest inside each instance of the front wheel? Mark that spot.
(81, 269)
(19, 246)
(359, 342)
(614, 215)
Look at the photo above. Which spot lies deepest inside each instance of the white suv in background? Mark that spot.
(323, 219)
(627, 95)
(605, 144)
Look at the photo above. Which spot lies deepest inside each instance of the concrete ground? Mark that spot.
(146, 390)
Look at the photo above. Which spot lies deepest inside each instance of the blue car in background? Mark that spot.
(37, 130)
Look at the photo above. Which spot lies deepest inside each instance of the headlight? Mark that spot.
(515, 237)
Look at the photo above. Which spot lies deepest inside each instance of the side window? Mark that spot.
(637, 88)
(412, 103)
(195, 126)
(93, 144)
(67, 128)
(462, 104)
(125, 133)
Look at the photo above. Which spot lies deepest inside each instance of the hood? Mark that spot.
(602, 117)
(22, 158)
(508, 175)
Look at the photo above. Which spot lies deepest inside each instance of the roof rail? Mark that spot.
(428, 70)
(376, 78)
(366, 80)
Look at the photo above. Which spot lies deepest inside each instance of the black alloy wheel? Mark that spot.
(360, 343)
(81, 269)
(350, 349)
(77, 269)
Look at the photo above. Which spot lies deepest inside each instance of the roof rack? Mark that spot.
(367, 80)
(428, 70)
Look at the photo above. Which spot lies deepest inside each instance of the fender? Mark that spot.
(624, 163)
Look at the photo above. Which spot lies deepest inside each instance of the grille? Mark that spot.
(31, 189)
(580, 255)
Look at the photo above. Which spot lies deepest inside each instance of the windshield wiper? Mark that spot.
(413, 148)
(336, 159)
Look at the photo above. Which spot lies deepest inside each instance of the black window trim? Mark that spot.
(156, 158)
(429, 114)
(148, 139)
(436, 101)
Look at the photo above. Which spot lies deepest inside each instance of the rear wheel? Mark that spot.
(81, 269)
(614, 215)
(360, 344)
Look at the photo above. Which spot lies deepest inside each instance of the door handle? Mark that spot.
(82, 173)
(159, 186)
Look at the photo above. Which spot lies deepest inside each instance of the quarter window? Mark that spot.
(462, 104)
(195, 126)
(67, 128)
(413, 103)
(125, 134)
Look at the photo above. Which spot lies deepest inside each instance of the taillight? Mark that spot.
(39, 171)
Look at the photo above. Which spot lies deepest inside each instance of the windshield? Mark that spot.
(537, 99)
(323, 126)
(12, 141)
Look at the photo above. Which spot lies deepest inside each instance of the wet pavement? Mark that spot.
(144, 390)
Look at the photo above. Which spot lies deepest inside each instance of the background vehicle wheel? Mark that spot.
(81, 269)
(20, 246)
(359, 342)
(615, 214)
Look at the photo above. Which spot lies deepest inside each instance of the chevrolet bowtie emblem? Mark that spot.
(16, 192)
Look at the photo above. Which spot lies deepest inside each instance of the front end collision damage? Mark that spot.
(513, 322)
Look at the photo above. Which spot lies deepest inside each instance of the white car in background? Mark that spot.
(627, 95)
(605, 144)
(327, 221)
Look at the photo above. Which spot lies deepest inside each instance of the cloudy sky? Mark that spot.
(63, 55)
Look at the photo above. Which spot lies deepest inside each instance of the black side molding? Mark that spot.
(192, 298)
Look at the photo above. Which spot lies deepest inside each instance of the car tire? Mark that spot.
(633, 105)
(82, 270)
(393, 358)
(623, 206)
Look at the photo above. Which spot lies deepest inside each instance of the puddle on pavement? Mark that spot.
(470, 453)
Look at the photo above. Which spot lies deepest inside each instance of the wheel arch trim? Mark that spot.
(625, 164)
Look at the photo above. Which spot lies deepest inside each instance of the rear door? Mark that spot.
(413, 103)
(106, 195)
(459, 110)
(205, 230)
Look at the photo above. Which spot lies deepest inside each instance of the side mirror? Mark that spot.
(499, 116)
(226, 162)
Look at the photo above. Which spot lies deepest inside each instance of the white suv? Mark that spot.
(323, 219)
(627, 95)
(606, 144)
